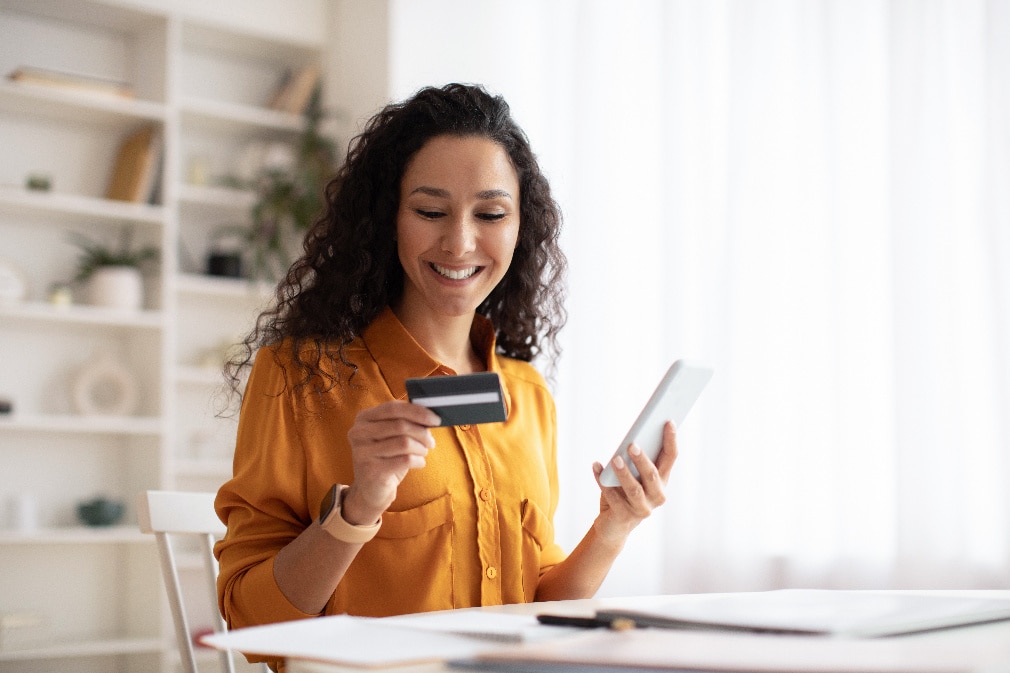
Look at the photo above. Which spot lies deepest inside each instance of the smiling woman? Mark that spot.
(438, 255)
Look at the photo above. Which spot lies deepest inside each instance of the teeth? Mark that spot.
(453, 274)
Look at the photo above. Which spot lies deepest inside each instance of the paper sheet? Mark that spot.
(367, 642)
(496, 626)
(354, 641)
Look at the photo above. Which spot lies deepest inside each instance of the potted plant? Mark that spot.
(289, 188)
(111, 274)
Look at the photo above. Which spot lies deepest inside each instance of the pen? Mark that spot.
(620, 624)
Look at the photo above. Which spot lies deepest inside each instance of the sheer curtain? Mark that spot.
(813, 197)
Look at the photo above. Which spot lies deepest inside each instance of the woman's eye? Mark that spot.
(490, 217)
(430, 214)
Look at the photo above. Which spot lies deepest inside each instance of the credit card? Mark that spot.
(467, 399)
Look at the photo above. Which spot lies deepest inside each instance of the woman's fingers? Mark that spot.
(387, 441)
(394, 428)
(632, 491)
(668, 456)
(640, 495)
(398, 412)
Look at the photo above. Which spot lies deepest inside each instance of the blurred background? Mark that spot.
(811, 196)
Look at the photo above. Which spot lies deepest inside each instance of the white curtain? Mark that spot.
(813, 196)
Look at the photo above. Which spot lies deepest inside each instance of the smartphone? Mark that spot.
(673, 398)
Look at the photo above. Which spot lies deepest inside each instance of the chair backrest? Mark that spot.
(167, 514)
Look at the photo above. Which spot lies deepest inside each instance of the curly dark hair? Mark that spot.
(349, 270)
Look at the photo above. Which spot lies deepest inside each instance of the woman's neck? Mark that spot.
(444, 338)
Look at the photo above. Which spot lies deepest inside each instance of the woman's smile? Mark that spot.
(454, 274)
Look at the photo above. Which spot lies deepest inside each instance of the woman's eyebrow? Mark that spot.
(432, 191)
(485, 195)
(494, 194)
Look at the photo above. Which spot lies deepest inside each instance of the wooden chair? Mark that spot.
(168, 515)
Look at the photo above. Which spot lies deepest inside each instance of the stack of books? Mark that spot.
(70, 81)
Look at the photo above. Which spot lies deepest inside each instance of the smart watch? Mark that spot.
(332, 520)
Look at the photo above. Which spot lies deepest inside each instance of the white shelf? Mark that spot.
(104, 425)
(76, 535)
(115, 15)
(255, 44)
(95, 648)
(82, 207)
(69, 105)
(215, 114)
(83, 315)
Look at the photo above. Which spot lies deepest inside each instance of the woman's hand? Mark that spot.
(624, 507)
(386, 441)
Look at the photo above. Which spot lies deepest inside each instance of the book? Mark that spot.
(295, 90)
(71, 81)
(135, 169)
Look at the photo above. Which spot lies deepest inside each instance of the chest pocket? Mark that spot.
(407, 566)
(537, 531)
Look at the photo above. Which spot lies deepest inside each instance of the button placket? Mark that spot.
(488, 533)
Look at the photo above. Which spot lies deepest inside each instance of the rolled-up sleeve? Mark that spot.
(264, 504)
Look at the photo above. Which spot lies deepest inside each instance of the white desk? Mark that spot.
(981, 648)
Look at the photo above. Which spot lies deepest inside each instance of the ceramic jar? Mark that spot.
(116, 287)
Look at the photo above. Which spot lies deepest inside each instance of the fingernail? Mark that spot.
(618, 462)
(634, 450)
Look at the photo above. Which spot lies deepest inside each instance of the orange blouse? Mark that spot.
(473, 527)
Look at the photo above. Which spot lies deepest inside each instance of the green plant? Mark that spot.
(96, 254)
(289, 200)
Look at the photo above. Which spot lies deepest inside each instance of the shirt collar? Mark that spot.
(400, 357)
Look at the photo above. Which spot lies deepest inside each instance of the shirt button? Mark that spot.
(492, 572)
(464, 428)
(485, 494)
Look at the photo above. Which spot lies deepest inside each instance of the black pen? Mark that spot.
(586, 622)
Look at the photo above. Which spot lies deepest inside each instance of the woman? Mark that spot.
(438, 254)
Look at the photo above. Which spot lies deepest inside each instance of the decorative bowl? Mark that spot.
(100, 512)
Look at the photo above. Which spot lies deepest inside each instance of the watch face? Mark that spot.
(329, 500)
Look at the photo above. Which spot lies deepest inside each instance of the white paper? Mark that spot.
(354, 641)
(496, 626)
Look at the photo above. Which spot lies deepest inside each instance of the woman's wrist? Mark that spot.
(333, 521)
(610, 534)
(356, 513)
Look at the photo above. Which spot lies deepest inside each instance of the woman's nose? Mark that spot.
(460, 236)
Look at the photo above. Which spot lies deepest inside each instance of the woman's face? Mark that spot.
(458, 223)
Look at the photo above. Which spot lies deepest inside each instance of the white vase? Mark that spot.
(116, 287)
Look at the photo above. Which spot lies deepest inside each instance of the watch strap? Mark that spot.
(331, 518)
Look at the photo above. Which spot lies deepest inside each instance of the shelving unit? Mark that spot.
(202, 73)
